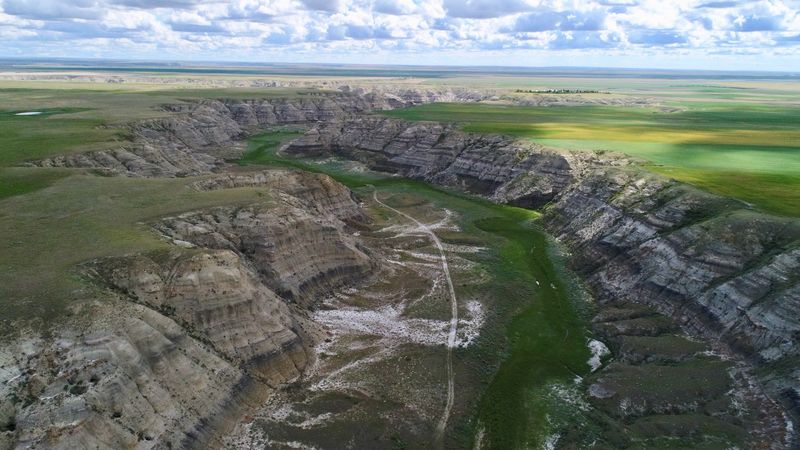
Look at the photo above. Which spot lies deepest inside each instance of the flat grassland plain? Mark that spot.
(737, 138)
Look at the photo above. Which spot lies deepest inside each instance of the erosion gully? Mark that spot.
(533, 349)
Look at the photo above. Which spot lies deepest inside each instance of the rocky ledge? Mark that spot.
(724, 272)
(197, 136)
(498, 167)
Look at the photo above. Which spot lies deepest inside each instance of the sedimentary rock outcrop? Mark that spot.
(199, 135)
(314, 192)
(195, 335)
(722, 270)
(501, 168)
(660, 380)
(297, 255)
(132, 378)
(221, 301)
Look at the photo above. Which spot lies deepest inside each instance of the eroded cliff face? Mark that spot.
(133, 377)
(220, 301)
(503, 169)
(186, 340)
(312, 192)
(278, 242)
(686, 389)
(198, 136)
(721, 270)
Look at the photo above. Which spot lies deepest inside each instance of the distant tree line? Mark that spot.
(558, 91)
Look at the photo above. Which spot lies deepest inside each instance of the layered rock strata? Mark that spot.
(132, 378)
(297, 256)
(501, 168)
(722, 270)
(661, 385)
(193, 336)
(197, 136)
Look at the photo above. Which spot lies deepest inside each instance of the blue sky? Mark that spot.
(681, 34)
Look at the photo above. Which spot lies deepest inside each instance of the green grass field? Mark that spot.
(261, 149)
(743, 150)
(48, 232)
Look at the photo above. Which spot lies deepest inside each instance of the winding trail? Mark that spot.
(451, 338)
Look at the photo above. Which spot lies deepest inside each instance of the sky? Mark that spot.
(677, 34)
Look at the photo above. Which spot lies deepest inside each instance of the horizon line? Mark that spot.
(232, 63)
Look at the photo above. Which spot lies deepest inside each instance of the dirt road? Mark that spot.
(451, 338)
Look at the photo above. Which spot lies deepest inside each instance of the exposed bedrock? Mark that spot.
(662, 384)
(198, 136)
(188, 339)
(134, 378)
(723, 271)
(499, 167)
(219, 301)
(297, 255)
(314, 192)
(303, 247)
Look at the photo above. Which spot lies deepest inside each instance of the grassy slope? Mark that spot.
(18, 180)
(81, 117)
(546, 339)
(52, 219)
(82, 217)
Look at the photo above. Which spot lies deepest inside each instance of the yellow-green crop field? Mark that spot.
(744, 148)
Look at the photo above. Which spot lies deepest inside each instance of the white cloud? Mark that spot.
(323, 5)
(419, 31)
(394, 7)
(483, 9)
(53, 9)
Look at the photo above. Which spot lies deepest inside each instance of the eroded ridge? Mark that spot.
(181, 342)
